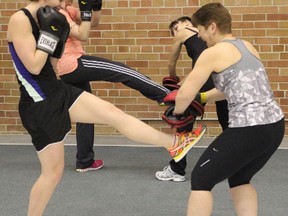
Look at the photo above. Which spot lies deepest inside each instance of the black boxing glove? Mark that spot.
(85, 7)
(61, 44)
(53, 28)
(97, 5)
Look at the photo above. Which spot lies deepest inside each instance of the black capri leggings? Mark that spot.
(237, 155)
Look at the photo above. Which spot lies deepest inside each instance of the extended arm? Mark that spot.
(176, 47)
(214, 95)
(204, 66)
(174, 55)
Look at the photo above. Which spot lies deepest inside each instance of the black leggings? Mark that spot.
(93, 68)
(237, 155)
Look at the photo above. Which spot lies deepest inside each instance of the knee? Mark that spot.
(114, 115)
(54, 175)
(200, 183)
(238, 182)
(59, 173)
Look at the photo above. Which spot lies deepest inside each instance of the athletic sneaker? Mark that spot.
(97, 164)
(167, 174)
(185, 141)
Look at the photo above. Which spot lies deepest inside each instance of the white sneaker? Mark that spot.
(169, 175)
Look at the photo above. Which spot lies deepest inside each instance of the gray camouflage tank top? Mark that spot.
(247, 90)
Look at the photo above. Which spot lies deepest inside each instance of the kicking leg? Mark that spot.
(93, 68)
(91, 109)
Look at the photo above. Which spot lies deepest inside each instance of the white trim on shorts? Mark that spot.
(55, 143)
(75, 101)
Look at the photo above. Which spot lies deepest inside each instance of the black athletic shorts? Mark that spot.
(48, 121)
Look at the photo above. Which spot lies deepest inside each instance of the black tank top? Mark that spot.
(34, 87)
(194, 46)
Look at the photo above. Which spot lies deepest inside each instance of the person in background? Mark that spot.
(78, 69)
(186, 34)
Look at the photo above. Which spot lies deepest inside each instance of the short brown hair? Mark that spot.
(213, 12)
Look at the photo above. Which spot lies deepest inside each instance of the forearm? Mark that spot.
(84, 31)
(182, 102)
(95, 18)
(186, 94)
(35, 65)
(174, 55)
(172, 69)
(88, 18)
(214, 95)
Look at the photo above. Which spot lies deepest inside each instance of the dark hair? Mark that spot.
(184, 18)
(171, 26)
(213, 12)
(181, 19)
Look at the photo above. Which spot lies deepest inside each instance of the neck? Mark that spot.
(226, 37)
(35, 5)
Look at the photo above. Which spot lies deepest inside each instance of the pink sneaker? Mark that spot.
(97, 164)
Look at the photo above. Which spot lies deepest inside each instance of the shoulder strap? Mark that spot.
(35, 29)
(240, 46)
(192, 30)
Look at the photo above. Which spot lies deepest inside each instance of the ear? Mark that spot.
(213, 27)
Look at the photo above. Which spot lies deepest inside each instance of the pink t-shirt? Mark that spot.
(73, 47)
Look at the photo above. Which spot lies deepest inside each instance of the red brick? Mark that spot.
(136, 33)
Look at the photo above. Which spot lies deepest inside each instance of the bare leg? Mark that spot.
(52, 166)
(200, 203)
(245, 200)
(91, 109)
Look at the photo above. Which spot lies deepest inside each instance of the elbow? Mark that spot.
(94, 24)
(83, 38)
(172, 64)
(35, 71)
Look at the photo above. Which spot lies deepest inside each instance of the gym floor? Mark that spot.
(126, 185)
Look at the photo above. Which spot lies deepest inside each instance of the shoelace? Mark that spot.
(184, 142)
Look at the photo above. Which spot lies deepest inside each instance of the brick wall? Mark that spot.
(135, 33)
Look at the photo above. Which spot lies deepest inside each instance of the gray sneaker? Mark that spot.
(169, 175)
